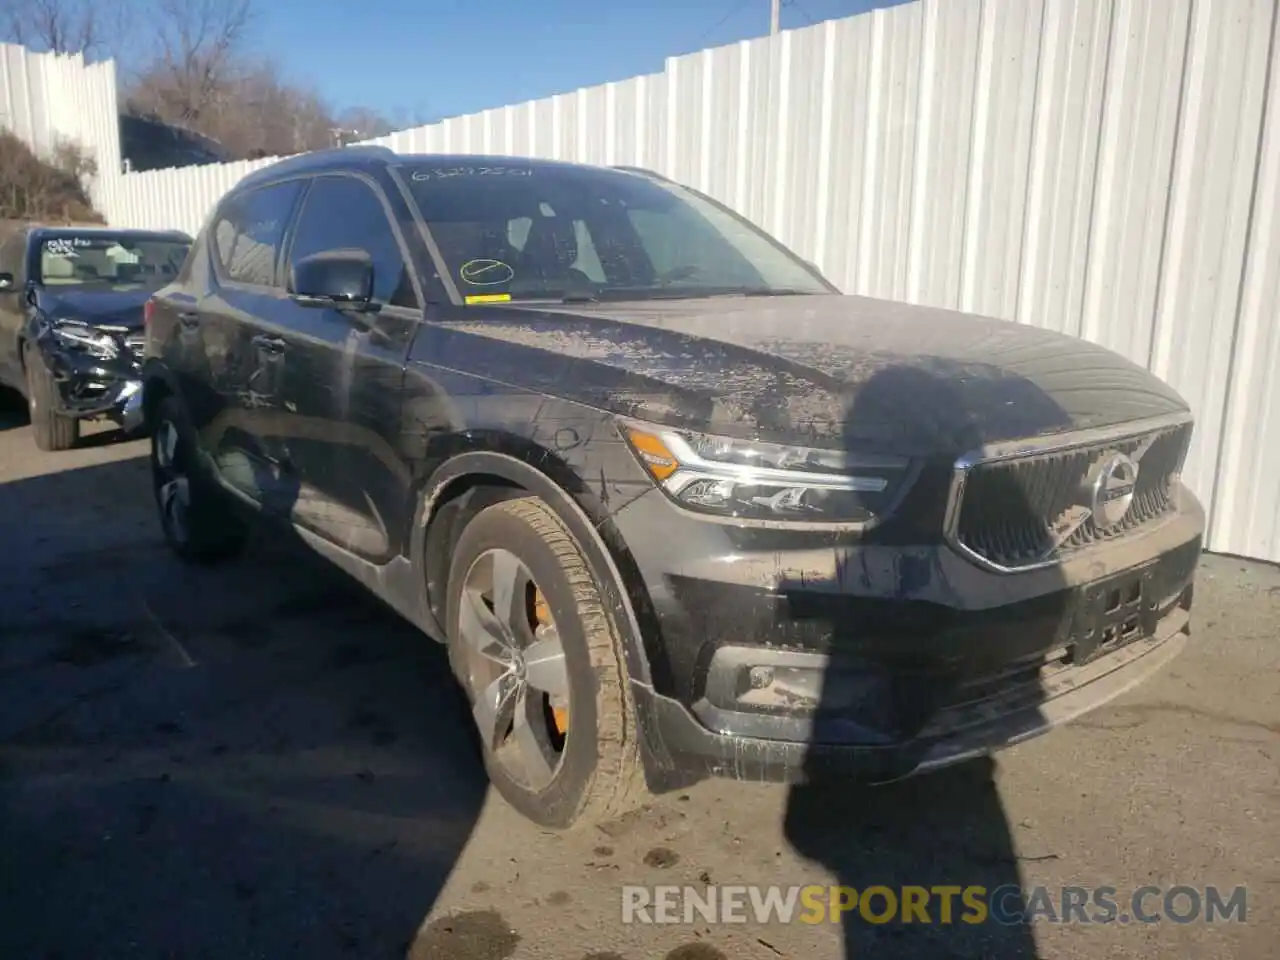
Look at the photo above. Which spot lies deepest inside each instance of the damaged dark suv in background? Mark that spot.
(674, 504)
(71, 302)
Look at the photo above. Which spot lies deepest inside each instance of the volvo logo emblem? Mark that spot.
(1109, 489)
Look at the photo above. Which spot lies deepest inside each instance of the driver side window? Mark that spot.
(342, 212)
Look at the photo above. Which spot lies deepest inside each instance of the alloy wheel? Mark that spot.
(516, 671)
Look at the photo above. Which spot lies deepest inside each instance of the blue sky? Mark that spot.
(417, 61)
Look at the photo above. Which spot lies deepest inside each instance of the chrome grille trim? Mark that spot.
(1033, 458)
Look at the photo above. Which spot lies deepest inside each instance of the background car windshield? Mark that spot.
(117, 261)
(537, 232)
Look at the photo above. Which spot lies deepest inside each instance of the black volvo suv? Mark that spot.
(674, 504)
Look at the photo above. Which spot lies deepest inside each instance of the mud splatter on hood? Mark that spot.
(828, 369)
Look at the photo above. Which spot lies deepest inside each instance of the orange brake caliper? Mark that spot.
(542, 616)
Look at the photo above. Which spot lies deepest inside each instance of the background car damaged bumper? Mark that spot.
(89, 387)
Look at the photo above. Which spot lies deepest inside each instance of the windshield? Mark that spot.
(70, 260)
(520, 232)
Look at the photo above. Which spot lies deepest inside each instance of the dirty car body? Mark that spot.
(834, 535)
(76, 296)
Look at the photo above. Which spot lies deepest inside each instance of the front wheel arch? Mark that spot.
(489, 477)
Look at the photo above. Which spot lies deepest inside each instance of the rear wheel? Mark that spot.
(51, 430)
(542, 667)
(199, 524)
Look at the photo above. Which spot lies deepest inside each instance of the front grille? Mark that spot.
(1012, 512)
(136, 343)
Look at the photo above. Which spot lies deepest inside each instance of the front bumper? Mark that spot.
(876, 662)
(90, 388)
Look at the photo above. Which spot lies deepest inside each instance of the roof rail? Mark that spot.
(642, 170)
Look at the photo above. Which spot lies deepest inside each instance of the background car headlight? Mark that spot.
(75, 335)
(766, 481)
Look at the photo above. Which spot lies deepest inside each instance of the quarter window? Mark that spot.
(345, 213)
(248, 232)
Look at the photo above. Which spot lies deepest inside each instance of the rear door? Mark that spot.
(230, 347)
(344, 371)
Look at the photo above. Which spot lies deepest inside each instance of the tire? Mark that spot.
(52, 432)
(199, 523)
(597, 773)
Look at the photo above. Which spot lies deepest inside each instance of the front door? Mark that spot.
(344, 373)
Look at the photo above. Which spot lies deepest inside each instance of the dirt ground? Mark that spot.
(259, 761)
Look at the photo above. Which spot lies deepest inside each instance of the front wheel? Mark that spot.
(198, 522)
(543, 668)
(52, 431)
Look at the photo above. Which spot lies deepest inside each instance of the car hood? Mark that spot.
(833, 370)
(96, 305)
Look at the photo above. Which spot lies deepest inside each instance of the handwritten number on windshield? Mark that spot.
(444, 173)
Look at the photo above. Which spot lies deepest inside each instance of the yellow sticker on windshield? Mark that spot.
(488, 298)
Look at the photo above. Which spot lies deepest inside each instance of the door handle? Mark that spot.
(268, 344)
(190, 320)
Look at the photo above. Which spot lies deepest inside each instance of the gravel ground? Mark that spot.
(260, 761)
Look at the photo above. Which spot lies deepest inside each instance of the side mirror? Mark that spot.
(7, 284)
(337, 279)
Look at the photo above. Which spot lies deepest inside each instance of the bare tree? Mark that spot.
(60, 26)
(361, 123)
(188, 69)
(196, 76)
(275, 117)
(198, 45)
(251, 112)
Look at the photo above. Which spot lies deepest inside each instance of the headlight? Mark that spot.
(75, 335)
(765, 481)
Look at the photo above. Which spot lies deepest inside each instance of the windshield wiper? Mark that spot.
(769, 292)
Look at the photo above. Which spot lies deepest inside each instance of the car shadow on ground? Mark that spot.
(944, 832)
(247, 760)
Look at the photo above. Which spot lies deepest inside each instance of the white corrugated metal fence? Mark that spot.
(47, 100)
(1107, 168)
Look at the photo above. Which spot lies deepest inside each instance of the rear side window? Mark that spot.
(344, 213)
(248, 231)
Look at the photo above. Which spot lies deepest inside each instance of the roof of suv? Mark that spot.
(370, 158)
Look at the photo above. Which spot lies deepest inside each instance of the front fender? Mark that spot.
(545, 476)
